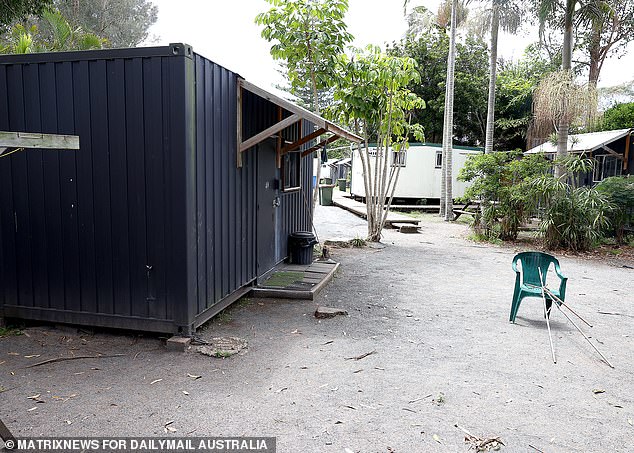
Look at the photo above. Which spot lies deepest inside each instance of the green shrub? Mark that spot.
(620, 192)
(501, 181)
(574, 218)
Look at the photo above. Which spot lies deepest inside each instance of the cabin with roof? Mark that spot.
(185, 188)
(420, 173)
(609, 149)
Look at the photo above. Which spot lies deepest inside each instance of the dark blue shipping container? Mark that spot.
(151, 224)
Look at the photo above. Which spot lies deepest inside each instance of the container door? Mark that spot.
(268, 207)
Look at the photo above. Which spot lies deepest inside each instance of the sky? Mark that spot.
(224, 32)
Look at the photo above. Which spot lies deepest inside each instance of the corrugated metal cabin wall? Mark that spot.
(260, 114)
(296, 205)
(225, 194)
(90, 245)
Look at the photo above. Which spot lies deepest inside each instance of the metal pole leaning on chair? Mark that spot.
(584, 336)
(550, 337)
(551, 294)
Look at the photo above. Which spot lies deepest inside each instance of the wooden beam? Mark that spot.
(37, 140)
(239, 125)
(626, 156)
(611, 151)
(266, 133)
(330, 139)
(302, 112)
(301, 141)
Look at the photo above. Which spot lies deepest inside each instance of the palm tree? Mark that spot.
(547, 10)
(446, 189)
(505, 14)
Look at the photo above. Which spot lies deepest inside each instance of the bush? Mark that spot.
(502, 182)
(620, 191)
(619, 116)
(575, 218)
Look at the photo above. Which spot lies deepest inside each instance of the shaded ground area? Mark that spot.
(432, 309)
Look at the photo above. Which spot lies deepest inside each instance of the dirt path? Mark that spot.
(434, 308)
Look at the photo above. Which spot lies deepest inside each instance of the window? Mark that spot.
(291, 171)
(606, 165)
(399, 158)
(438, 159)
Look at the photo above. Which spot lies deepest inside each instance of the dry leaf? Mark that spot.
(193, 376)
(13, 353)
(185, 392)
(281, 390)
(32, 356)
(630, 421)
(436, 437)
(32, 409)
(68, 422)
(595, 391)
(34, 397)
(170, 429)
(155, 381)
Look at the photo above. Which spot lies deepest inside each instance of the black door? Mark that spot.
(268, 203)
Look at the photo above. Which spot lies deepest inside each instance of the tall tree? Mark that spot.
(11, 10)
(308, 36)
(546, 10)
(124, 23)
(430, 51)
(60, 36)
(372, 94)
(446, 189)
(506, 14)
(610, 28)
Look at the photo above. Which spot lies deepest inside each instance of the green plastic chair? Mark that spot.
(527, 282)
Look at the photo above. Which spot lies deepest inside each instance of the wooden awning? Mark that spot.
(298, 114)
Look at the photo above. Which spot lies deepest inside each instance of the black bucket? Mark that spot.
(300, 247)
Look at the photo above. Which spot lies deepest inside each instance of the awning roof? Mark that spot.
(579, 143)
(298, 113)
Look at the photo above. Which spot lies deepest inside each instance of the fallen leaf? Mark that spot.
(630, 421)
(436, 437)
(68, 422)
(281, 390)
(193, 376)
(32, 409)
(596, 391)
(185, 392)
(13, 353)
(34, 397)
(296, 331)
(2, 362)
(169, 429)
(32, 356)
(155, 381)
(338, 422)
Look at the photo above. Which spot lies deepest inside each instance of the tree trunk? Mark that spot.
(495, 25)
(566, 61)
(448, 133)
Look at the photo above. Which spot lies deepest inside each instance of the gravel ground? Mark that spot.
(431, 308)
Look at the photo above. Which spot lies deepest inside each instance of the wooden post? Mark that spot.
(626, 156)
(239, 124)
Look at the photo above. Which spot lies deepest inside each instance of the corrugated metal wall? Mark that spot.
(226, 196)
(150, 224)
(90, 236)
